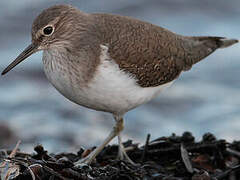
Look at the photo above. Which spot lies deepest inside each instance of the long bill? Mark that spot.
(32, 48)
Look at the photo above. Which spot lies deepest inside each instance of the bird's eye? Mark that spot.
(48, 30)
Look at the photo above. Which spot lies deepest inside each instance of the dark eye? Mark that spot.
(48, 30)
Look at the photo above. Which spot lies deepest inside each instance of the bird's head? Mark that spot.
(53, 28)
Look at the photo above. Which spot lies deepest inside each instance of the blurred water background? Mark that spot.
(207, 98)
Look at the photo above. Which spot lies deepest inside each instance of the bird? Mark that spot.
(111, 63)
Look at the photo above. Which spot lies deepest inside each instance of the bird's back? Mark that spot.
(152, 54)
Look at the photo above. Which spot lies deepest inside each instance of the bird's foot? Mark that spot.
(87, 160)
(84, 161)
(122, 155)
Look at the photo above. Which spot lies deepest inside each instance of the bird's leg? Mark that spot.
(115, 131)
(121, 151)
(120, 147)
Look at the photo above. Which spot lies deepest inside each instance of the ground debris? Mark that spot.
(165, 158)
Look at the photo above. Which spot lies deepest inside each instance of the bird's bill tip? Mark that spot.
(32, 48)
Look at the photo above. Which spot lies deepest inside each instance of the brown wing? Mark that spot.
(152, 54)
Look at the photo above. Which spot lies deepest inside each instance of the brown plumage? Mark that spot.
(153, 55)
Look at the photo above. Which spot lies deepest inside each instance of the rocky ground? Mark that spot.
(165, 158)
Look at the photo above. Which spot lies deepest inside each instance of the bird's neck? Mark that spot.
(63, 63)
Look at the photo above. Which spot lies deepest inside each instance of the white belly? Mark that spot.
(111, 89)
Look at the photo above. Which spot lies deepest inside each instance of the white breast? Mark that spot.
(111, 89)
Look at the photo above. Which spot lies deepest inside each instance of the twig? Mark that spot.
(145, 148)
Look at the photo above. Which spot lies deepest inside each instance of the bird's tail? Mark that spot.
(224, 42)
(216, 42)
(202, 46)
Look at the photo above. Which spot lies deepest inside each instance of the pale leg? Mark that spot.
(120, 147)
(121, 151)
(115, 131)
